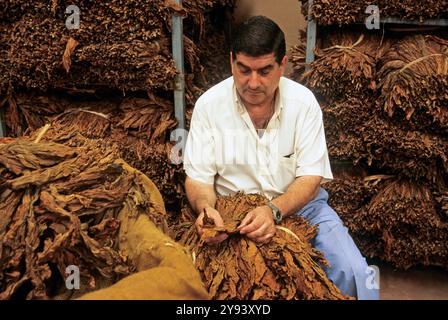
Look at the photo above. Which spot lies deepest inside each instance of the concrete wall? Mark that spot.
(286, 13)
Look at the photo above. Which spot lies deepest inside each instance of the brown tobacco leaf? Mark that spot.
(207, 221)
(69, 49)
(285, 268)
(373, 138)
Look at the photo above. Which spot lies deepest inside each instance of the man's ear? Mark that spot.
(231, 61)
(283, 64)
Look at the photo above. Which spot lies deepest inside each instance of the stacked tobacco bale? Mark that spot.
(59, 207)
(287, 267)
(124, 45)
(385, 108)
(119, 44)
(394, 219)
(343, 12)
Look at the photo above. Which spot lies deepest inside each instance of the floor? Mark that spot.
(419, 283)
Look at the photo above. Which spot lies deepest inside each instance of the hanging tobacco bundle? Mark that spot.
(413, 231)
(285, 268)
(59, 207)
(413, 154)
(344, 12)
(341, 12)
(343, 132)
(344, 65)
(413, 77)
(214, 54)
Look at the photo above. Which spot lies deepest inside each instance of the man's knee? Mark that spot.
(348, 271)
(348, 268)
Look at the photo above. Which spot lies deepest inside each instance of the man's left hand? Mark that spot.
(258, 225)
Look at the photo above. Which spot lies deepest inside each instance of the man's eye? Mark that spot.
(264, 72)
(245, 71)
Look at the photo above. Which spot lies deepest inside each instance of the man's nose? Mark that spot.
(254, 81)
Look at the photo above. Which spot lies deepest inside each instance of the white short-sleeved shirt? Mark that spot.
(224, 149)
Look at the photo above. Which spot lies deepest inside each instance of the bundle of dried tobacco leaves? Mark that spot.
(345, 65)
(124, 45)
(343, 12)
(413, 78)
(394, 219)
(372, 139)
(285, 268)
(58, 207)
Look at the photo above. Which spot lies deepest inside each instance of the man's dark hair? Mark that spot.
(258, 36)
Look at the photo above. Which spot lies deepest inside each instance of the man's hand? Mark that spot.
(258, 224)
(213, 214)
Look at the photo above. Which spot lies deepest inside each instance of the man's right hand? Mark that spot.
(213, 214)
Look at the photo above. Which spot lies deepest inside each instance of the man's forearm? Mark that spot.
(200, 195)
(299, 193)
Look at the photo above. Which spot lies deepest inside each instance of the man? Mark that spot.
(259, 132)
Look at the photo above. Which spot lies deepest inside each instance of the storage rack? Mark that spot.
(2, 124)
(179, 82)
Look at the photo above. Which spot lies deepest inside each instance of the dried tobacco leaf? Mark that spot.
(69, 49)
(375, 140)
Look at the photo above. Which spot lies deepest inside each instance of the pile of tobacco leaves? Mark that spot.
(139, 127)
(287, 267)
(60, 197)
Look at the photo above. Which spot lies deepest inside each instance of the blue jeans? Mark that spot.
(348, 268)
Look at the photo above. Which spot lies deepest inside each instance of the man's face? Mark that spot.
(256, 78)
